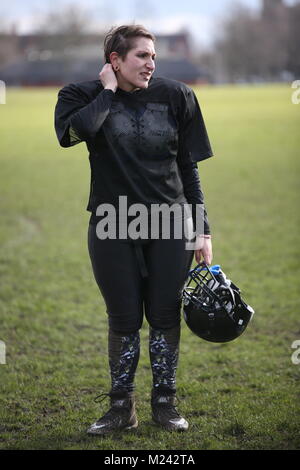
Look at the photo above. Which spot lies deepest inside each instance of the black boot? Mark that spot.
(164, 411)
(123, 351)
(120, 416)
(164, 351)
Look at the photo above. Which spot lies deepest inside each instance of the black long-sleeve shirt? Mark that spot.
(143, 144)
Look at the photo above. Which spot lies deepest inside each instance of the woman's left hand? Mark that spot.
(203, 251)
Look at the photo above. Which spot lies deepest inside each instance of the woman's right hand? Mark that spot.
(108, 78)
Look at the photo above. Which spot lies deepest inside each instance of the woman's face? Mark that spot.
(138, 66)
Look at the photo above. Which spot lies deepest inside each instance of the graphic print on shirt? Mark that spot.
(151, 138)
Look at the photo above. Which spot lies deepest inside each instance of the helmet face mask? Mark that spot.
(212, 305)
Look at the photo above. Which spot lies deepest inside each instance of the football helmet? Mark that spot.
(212, 305)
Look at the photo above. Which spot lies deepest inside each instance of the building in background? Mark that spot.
(250, 46)
(45, 60)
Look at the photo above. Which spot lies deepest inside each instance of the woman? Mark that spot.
(144, 137)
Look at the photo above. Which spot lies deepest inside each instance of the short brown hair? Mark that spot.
(121, 39)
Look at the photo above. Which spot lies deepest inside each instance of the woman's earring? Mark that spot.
(116, 69)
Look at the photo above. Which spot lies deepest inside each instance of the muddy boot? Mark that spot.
(120, 416)
(164, 412)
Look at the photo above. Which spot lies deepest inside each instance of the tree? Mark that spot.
(254, 46)
(60, 29)
(293, 60)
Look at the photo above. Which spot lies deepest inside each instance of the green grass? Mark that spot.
(239, 395)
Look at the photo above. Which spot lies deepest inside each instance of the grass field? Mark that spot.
(239, 395)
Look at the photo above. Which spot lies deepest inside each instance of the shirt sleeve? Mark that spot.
(77, 118)
(194, 146)
(194, 195)
(194, 143)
